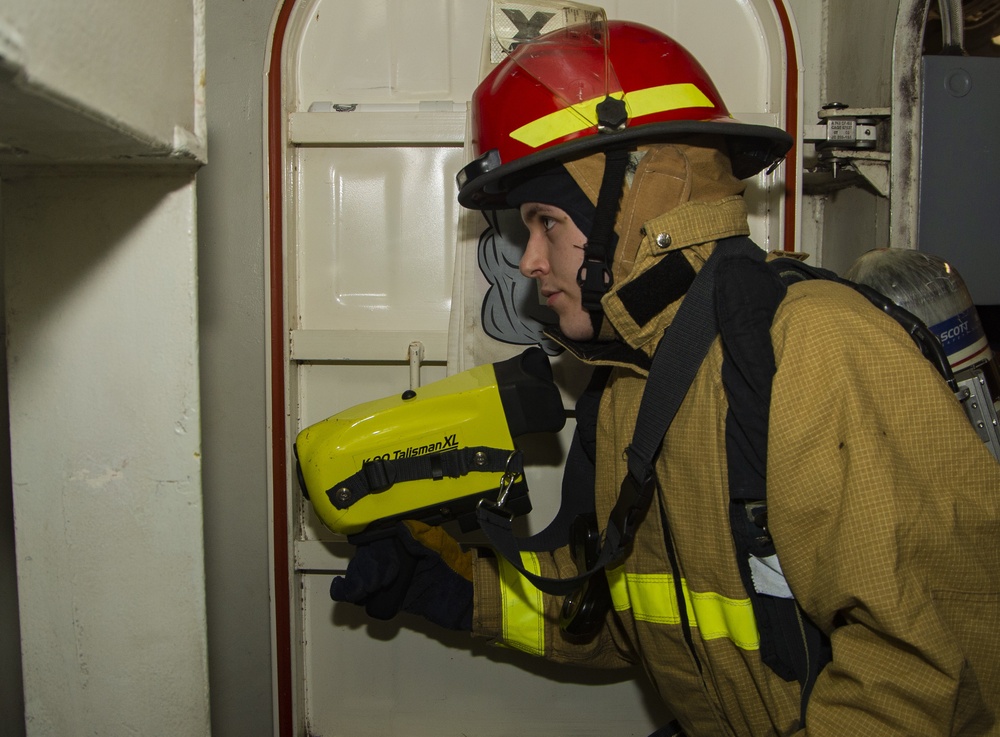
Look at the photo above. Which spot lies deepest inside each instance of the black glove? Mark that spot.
(420, 569)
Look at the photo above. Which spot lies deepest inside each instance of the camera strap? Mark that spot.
(678, 357)
(378, 475)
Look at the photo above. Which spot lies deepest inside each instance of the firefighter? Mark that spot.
(882, 503)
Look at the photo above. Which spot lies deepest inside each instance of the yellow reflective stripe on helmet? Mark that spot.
(583, 115)
(665, 98)
(522, 607)
(652, 598)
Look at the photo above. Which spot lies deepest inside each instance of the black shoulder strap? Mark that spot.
(577, 495)
(747, 298)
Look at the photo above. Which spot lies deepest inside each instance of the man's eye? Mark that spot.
(547, 222)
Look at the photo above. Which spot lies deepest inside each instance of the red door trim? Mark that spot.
(791, 124)
(279, 442)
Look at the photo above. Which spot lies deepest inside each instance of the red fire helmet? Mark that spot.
(556, 97)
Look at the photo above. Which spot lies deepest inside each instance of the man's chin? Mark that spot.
(577, 329)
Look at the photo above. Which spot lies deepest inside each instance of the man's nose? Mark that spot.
(534, 262)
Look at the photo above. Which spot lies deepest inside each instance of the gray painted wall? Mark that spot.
(233, 353)
(76, 89)
(11, 683)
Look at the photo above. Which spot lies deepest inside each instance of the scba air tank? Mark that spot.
(933, 290)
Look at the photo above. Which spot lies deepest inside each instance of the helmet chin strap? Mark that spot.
(594, 276)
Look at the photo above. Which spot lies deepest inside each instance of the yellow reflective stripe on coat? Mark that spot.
(652, 598)
(583, 115)
(523, 625)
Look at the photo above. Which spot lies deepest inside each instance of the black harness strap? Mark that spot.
(747, 298)
(594, 276)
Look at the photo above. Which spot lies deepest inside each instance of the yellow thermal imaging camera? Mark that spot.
(432, 453)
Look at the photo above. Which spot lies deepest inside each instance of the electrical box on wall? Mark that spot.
(959, 217)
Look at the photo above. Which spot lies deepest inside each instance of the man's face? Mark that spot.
(553, 258)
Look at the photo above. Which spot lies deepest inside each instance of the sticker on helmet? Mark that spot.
(513, 23)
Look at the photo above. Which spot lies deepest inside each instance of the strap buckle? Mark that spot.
(633, 501)
(594, 279)
(379, 474)
(512, 471)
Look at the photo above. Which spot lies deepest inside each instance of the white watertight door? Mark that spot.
(376, 288)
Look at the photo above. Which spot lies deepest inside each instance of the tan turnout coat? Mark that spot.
(883, 504)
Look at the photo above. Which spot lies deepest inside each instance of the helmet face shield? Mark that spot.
(513, 23)
(591, 85)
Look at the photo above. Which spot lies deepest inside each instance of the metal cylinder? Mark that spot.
(933, 290)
